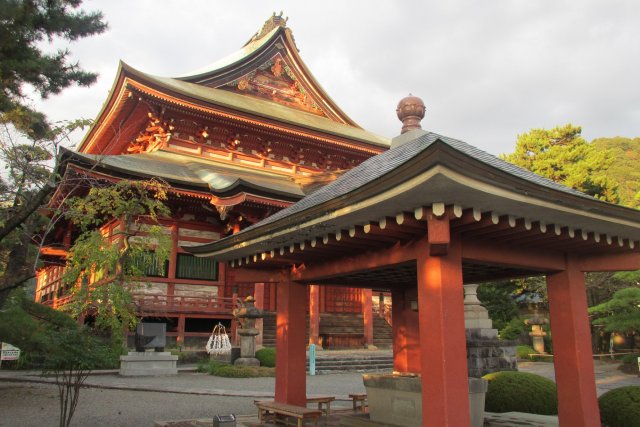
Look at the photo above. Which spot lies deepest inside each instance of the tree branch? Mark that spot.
(21, 216)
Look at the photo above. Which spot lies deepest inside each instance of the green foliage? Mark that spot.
(621, 313)
(523, 352)
(620, 407)
(219, 369)
(103, 268)
(513, 329)
(497, 298)
(26, 25)
(626, 168)
(629, 364)
(267, 357)
(562, 155)
(520, 392)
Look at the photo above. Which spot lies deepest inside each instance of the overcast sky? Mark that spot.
(487, 70)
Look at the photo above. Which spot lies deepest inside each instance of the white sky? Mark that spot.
(487, 70)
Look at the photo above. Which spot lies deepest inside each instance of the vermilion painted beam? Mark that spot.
(394, 255)
(613, 262)
(577, 399)
(445, 392)
(406, 337)
(253, 275)
(290, 344)
(484, 251)
(258, 294)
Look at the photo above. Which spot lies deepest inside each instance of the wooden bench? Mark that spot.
(271, 410)
(322, 400)
(359, 401)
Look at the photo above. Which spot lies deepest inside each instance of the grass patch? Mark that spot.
(620, 407)
(219, 369)
(523, 352)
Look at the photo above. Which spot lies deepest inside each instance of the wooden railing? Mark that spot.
(182, 303)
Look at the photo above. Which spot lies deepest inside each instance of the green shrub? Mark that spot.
(629, 364)
(267, 357)
(521, 392)
(523, 352)
(512, 330)
(620, 407)
(232, 371)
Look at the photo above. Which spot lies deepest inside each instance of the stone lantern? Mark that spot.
(537, 334)
(247, 313)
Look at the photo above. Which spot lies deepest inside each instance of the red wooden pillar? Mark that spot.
(367, 317)
(181, 327)
(291, 380)
(314, 315)
(575, 378)
(445, 390)
(258, 294)
(400, 359)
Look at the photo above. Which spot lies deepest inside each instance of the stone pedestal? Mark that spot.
(148, 363)
(486, 353)
(397, 399)
(247, 347)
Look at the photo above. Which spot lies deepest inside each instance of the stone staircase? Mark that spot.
(348, 361)
(338, 331)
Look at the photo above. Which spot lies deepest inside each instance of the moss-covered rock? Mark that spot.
(620, 407)
(522, 392)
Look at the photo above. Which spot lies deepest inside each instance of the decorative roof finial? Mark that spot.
(410, 112)
(274, 21)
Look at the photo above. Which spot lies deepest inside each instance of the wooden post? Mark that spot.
(575, 378)
(445, 390)
(258, 294)
(406, 337)
(181, 328)
(314, 316)
(367, 317)
(290, 343)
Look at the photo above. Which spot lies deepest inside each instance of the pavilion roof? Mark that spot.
(193, 173)
(431, 171)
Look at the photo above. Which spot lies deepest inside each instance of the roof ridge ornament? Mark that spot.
(410, 111)
(274, 21)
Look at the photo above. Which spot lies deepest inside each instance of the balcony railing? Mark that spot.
(161, 303)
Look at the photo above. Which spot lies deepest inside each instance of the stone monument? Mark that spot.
(246, 313)
(485, 351)
(537, 334)
(149, 359)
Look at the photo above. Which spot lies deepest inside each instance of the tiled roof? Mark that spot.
(383, 163)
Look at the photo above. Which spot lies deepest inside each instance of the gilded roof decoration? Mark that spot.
(275, 81)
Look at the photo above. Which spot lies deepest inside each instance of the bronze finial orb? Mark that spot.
(410, 112)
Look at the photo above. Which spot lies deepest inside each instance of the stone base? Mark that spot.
(148, 364)
(247, 361)
(397, 399)
(486, 353)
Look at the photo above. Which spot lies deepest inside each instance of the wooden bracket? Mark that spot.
(438, 235)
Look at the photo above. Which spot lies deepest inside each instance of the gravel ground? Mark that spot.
(113, 401)
(26, 405)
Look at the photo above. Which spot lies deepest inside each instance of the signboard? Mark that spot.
(9, 352)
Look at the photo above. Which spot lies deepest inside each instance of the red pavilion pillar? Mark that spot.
(314, 316)
(575, 378)
(258, 295)
(291, 380)
(445, 390)
(367, 317)
(406, 337)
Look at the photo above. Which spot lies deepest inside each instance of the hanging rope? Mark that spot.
(218, 341)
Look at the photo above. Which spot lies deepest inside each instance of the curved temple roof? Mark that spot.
(430, 169)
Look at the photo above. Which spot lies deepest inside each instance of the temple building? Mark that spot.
(236, 141)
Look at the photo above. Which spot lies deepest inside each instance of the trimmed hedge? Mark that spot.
(521, 392)
(523, 352)
(232, 371)
(267, 357)
(620, 407)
